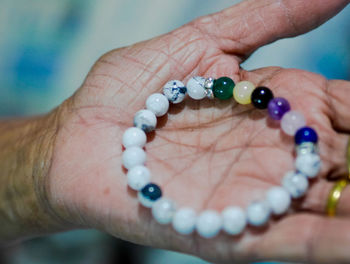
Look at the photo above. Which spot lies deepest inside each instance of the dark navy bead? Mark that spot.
(305, 134)
(151, 192)
(261, 96)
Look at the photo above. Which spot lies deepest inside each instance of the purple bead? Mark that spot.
(278, 107)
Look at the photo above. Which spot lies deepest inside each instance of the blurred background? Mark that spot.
(48, 46)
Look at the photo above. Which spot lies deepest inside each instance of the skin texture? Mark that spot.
(25, 158)
(207, 154)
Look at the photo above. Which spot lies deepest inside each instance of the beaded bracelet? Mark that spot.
(232, 219)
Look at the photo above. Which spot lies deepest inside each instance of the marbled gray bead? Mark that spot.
(175, 91)
(295, 183)
(195, 87)
(145, 120)
(308, 164)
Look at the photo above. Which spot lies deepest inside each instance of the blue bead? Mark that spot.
(305, 134)
(151, 192)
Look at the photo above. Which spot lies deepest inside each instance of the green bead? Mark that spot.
(223, 88)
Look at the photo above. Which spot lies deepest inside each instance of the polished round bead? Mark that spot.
(163, 211)
(158, 104)
(291, 122)
(279, 200)
(145, 120)
(134, 137)
(149, 194)
(261, 96)
(308, 164)
(175, 91)
(295, 183)
(195, 88)
(277, 107)
(305, 134)
(306, 148)
(138, 177)
(208, 224)
(233, 220)
(184, 220)
(258, 213)
(243, 91)
(133, 156)
(223, 88)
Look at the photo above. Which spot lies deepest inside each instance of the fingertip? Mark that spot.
(243, 28)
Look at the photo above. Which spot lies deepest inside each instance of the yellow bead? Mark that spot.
(243, 91)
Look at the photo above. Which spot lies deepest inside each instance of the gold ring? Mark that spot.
(334, 196)
(335, 193)
(348, 158)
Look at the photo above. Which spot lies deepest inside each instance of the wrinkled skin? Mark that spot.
(206, 154)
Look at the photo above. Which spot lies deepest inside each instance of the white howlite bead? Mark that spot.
(175, 91)
(133, 156)
(233, 220)
(184, 220)
(295, 183)
(138, 177)
(195, 88)
(158, 104)
(209, 223)
(134, 137)
(258, 213)
(145, 120)
(279, 200)
(163, 211)
(308, 164)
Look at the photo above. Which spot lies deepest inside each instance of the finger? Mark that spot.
(317, 197)
(338, 93)
(243, 28)
(307, 238)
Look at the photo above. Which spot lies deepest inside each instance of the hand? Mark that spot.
(207, 154)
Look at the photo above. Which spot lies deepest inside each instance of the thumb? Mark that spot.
(243, 28)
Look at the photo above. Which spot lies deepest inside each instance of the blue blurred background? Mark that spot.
(48, 46)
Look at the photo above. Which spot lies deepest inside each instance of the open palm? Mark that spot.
(208, 154)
